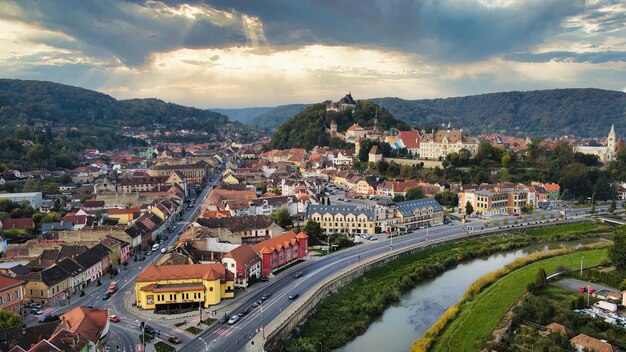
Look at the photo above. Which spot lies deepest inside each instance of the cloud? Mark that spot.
(133, 32)
(570, 56)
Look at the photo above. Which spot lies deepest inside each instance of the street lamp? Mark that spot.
(143, 333)
(581, 266)
(321, 347)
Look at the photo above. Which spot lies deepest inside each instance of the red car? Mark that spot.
(591, 290)
(114, 318)
(582, 289)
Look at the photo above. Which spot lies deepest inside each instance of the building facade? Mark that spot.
(281, 250)
(11, 294)
(438, 145)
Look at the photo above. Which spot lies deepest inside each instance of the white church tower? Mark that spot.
(611, 141)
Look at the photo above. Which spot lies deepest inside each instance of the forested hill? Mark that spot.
(308, 128)
(581, 112)
(243, 115)
(28, 101)
(271, 119)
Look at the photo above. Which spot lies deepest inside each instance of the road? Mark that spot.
(226, 337)
(125, 334)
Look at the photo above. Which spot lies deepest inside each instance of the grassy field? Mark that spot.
(561, 296)
(478, 318)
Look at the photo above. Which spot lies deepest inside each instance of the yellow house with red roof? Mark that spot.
(183, 287)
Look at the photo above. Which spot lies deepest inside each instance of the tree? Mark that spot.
(603, 189)
(398, 198)
(469, 209)
(617, 252)
(313, 228)
(527, 209)
(8, 319)
(281, 217)
(541, 278)
(464, 156)
(506, 161)
(613, 206)
(414, 193)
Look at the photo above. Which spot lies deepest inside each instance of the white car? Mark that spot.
(234, 319)
(163, 250)
(155, 247)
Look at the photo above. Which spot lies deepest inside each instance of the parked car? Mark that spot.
(163, 250)
(114, 318)
(373, 238)
(36, 305)
(36, 311)
(174, 340)
(149, 253)
(155, 247)
(234, 319)
(294, 296)
(161, 242)
(223, 320)
(48, 318)
(244, 312)
(582, 289)
(264, 279)
(591, 290)
(257, 303)
(266, 296)
(298, 275)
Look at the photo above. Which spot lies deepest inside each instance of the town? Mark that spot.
(312, 176)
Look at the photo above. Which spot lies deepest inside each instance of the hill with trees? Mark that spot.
(270, 120)
(555, 112)
(38, 119)
(308, 128)
(244, 115)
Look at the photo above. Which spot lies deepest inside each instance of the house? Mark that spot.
(78, 221)
(583, 343)
(93, 204)
(124, 216)
(11, 294)
(19, 223)
(92, 266)
(91, 324)
(114, 247)
(410, 140)
(176, 287)
(241, 229)
(374, 154)
(76, 272)
(57, 226)
(47, 287)
(281, 250)
(553, 190)
(244, 263)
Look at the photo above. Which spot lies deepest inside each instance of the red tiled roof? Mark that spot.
(20, 223)
(87, 322)
(117, 211)
(76, 219)
(184, 271)
(243, 255)
(591, 343)
(7, 282)
(277, 243)
(551, 187)
(410, 139)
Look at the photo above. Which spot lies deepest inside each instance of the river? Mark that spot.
(419, 308)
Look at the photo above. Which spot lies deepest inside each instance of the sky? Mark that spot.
(244, 53)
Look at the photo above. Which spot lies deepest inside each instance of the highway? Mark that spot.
(226, 337)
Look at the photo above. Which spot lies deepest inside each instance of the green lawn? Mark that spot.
(479, 317)
(561, 296)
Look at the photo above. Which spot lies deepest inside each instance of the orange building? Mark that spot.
(11, 294)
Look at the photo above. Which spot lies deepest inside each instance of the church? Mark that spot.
(605, 154)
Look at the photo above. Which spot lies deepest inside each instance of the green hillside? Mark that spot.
(244, 115)
(308, 128)
(271, 119)
(582, 112)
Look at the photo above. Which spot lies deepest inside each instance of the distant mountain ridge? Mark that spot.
(243, 115)
(23, 101)
(585, 112)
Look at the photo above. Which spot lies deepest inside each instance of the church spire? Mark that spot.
(612, 132)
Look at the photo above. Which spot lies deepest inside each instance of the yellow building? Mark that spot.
(231, 180)
(183, 287)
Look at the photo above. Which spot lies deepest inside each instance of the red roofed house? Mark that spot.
(20, 223)
(11, 294)
(244, 263)
(583, 342)
(90, 324)
(79, 221)
(553, 189)
(93, 204)
(411, 141)
(281, 250)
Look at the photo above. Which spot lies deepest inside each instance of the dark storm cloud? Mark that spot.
(442, 30)
(450, 30)
(130, 33)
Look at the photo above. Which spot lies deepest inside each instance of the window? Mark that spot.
(1, 300)
(17, 294)
(41, 292)
(8, 297)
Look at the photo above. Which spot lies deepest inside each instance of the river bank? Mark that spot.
(347, 314)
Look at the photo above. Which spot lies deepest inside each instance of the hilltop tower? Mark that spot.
(611, 144)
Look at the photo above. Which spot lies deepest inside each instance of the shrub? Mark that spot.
(193, 330)
(163, 347)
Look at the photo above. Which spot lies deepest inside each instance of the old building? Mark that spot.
(11, 294)
(244, 263)
(180, 287)
(438, 145)
(281, 250)
(248, 229)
